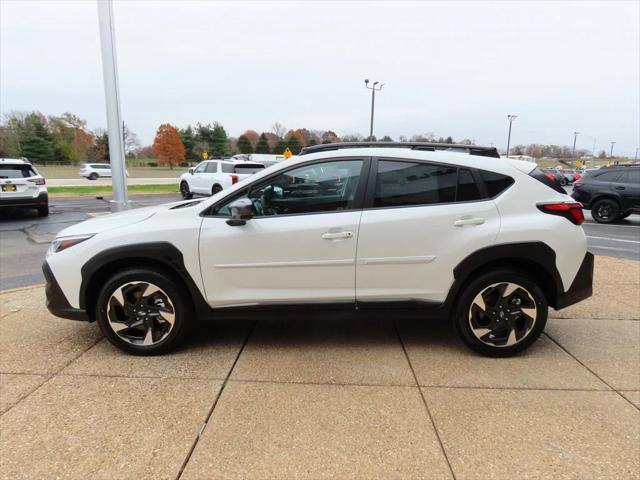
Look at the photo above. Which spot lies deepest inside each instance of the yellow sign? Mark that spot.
(205, 155)
(579, 164)
(288, 153)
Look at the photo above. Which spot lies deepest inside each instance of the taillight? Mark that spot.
(234, 179)
(570, 211)
(38, 181)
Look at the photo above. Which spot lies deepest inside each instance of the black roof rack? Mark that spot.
(426, 146)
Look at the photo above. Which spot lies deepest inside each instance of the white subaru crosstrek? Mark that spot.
(453, 231)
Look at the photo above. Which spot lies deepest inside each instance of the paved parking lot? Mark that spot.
(325, 398)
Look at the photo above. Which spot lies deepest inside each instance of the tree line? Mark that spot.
(67, 139)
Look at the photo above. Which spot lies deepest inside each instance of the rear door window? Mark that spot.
(400, 183)
(608, 177)
(227, 168)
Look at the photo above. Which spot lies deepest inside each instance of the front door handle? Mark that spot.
(461, 222)
(336, 235)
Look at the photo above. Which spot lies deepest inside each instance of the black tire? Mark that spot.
(606, 210)
(43, 211)
(216, 189)
(185, 191)
(502, 313)
(174, 297)
(93, 176)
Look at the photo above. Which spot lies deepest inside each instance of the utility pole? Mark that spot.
(112, 99)
(637, 149)
(573, 151)
(374, 88)
(511, 118)
(611, 151)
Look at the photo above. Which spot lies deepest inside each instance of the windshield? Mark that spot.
(248, 168)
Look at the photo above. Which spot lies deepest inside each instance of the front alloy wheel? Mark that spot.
(141, 313)
(501, 313)
(144, 311)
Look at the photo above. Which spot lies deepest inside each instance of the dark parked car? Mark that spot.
(611, 193)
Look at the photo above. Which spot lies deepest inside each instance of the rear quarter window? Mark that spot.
(543, 178)
(495, 183)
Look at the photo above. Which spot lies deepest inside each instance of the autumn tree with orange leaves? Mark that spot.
(167, 146)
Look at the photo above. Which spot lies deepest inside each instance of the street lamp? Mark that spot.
(611, 151)
(637, 150)
(511, 118)
(573, 151)
(374, 88)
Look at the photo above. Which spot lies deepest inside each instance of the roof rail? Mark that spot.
(426, 146)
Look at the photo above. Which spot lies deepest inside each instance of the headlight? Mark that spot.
(63, 243)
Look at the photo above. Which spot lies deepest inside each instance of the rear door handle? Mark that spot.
(461, 222)
(620, 187)
(336, 235)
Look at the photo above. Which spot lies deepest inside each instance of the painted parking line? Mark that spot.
(600, 247)
(614, 239)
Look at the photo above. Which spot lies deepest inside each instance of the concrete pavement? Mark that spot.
(329, 398)
(83, 182)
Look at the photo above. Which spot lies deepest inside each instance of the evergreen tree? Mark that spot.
(294, 144)
(188, 139)
(280, 147)
(244, 144)
(219, 141)
(263, 144)
(37, 148)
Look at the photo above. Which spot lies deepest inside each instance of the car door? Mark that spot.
(420, 220)
(627, 186)
(300, 245)
(196, 183)
(208, 177)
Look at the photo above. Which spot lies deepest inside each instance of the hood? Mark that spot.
(115, 220)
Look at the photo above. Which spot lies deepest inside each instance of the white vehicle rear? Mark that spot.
(22, 186)
(213, 176)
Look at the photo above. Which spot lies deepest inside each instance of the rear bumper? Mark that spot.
(40, 201)
(582, 286)
(582, 197)
(57, 303)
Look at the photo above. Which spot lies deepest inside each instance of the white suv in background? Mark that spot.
(448, 231)
(213, 176)
(22, 186)
(93, 171)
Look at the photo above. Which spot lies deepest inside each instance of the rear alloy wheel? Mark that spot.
(605, 211)
(143, 312)
(185, 191)
(93, 176)
(216, 189)
(501, 313)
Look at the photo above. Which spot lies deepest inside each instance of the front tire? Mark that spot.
(144, 311)
(500, 313)
(605, 211)
(93, 176)
(185, 191)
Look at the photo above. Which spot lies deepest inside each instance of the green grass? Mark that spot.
(103, 190)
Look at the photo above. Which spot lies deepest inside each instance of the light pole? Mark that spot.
(573, 151)
(511, 118)
(637, 150)
(374, 88)
(611, 151)
(112, 97)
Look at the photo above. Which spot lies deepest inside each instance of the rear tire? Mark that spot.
(143, 311)
(606, 210)
(93, 176)
(43, 211)
(500, 313)
(216, 189)
(185, 191)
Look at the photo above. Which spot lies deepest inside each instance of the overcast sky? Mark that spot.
(451, 68)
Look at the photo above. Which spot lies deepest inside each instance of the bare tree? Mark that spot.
(279, 129)
(131, 141)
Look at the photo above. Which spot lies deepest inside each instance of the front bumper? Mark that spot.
(582, 286)
(57, 303)
(41, 200)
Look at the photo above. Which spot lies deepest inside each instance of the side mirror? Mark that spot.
(191, 171)
(241, 211)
